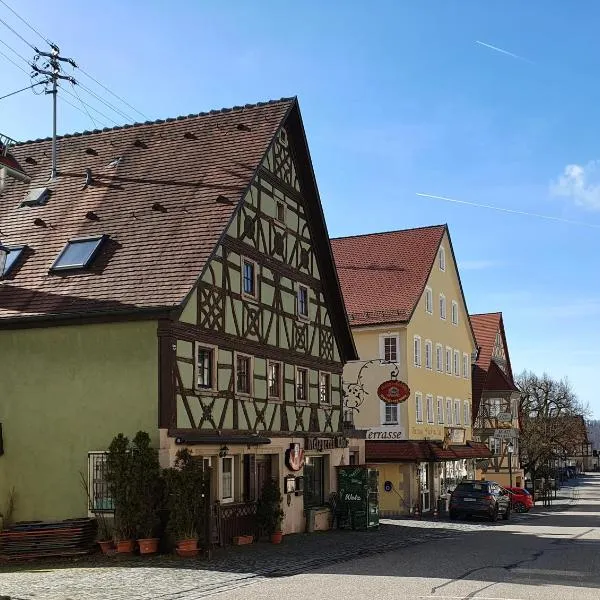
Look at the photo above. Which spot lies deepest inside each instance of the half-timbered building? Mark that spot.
(176, 277)
(495, 403)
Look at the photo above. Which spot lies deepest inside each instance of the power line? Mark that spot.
(18, 34)
(105, 102)
(23, 89)
(63, 99)
(88, 105)
(26, 23)
(9, 59)
(14, 51)
(82, 103)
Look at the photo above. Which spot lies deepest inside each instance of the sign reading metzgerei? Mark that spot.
(386, 434)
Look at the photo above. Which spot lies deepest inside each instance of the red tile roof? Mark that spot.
(383, 275)
(487, 376)
(401, 451)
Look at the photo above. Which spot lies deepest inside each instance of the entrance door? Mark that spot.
(424, 484)
(263, 472)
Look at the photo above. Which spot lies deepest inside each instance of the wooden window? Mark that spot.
(428, 300)
(449, 411)
(449, 360)
(440, 410)
(243, 374)
(205, 367)
(227, 479)
(301, 384)
(324, 388)
(466, 366)
(249, 278)
(439, 358)
(466, 413)
(442, 257)
(428, 354)
(430, 416)
(390, 349)
(418, 407)
(280, 212)
(274, 380)
(391, 414)
(417, 351)
(302, 301)
(454, 312)
(457, 363)
(442, 306)
(457, 412)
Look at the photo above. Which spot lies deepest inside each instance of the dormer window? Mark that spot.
(14, 253)
(78, 253)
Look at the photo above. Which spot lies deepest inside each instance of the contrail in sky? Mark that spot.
(509, 210)
(503, 51)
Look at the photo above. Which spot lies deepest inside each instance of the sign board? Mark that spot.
(456, 435)
(505, 434)
(386, 433)
(504, 417)
(393, 392)
(294, 457)
(320, 444)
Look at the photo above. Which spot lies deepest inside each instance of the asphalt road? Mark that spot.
(533, 557)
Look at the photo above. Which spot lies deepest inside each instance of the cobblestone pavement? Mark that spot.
(171, 578)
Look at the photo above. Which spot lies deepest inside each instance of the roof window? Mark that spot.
(14, 253)
(78, 253)
(36, 197)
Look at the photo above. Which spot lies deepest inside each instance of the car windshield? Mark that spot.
(472, 487)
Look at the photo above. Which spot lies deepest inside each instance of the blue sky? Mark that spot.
(397, 99)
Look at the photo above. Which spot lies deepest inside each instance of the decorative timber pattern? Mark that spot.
(254, 348)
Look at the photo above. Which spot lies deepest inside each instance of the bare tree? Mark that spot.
(551, 420)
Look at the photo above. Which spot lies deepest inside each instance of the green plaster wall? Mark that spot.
(63, 392)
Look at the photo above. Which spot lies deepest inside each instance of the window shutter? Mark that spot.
(250, 477)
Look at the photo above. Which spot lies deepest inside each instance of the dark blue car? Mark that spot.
(479, 498)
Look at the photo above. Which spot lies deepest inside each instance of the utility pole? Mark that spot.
(53, 72)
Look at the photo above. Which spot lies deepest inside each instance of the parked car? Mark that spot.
(521, 500)
(483, 498)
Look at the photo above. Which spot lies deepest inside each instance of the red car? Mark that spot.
(521, 499)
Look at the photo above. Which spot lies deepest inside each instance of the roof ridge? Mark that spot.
(497, 312)
(358, 235)
(160, 121)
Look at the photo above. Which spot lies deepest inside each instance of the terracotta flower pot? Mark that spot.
(276, 537)
(188, 544)
(125, 546)
(106, 546)
(187, 553)
(148, 545)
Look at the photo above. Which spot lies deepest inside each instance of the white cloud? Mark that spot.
(581, 184)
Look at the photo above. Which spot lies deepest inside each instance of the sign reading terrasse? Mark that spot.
(386, 434)
(393, 392)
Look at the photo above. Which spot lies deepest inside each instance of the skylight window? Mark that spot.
(14, 253)
(78, 253)
(36, 197)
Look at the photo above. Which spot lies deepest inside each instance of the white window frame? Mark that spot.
(303, 316)
(449, 411)
(495, 446)
(428, 300)
(443, 307)
(306, 399)
(448, 363)
(466, 413)
(382, 339)
(440, 410)
(251, 373)
(221, 472)
(439, 358)
(280, 396)
(255, 296)
(214, 370)
(393, 408)
(418, 407)
(456, 363)
(466, 365)
(430, 413)
(442, 258)
(457, 411)
(454, 312)
(428, 355)
(328, 402)
(417, 350)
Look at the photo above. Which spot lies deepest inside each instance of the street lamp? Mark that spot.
(510, 449)
(3, 257)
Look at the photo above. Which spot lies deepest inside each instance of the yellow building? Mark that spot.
(410, 324)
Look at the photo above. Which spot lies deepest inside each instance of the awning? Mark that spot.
(422, 451)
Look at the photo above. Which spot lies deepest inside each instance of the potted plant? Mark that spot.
(120, 480)
(146, 489)
(104, 533)
(187, 493)
(268, 511)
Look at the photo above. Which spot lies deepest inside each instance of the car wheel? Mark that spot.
(453, 515)
(520, 507)
(494, 515)
(506, 515)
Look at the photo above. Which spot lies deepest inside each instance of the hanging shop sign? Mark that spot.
(393, 391)
(504, 417)
(505, 434)
(387, 486)
(386, 433)
(294, 457)
(320, 444)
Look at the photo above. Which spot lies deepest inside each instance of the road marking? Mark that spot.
(550, 572)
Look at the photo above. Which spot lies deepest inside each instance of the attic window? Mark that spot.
(78, 253)
(14, 253)
(36, 197)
